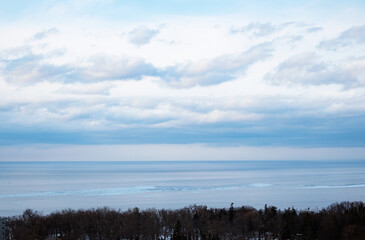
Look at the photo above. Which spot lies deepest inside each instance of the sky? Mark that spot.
(241, 79)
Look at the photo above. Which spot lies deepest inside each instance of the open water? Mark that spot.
(51, 186)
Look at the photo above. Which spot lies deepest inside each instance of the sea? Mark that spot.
(53, 186)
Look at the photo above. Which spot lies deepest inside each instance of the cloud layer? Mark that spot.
(182, 78)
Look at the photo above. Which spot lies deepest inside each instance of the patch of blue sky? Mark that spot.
(129, 9)
(14, 9)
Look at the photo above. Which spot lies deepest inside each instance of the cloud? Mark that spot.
(105, 67)
(31, 68)
(45, 33)
(142, 35)
(296, 38)
(214, 71)
(356, 68)
(354, 35)
(257, 29)
(102, 89)
(167, 113)
(22, 66)
(307, 69)
(314, 29)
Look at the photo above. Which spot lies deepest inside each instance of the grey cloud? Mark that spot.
(257, 29)
(45, 33)
(314, 29)
(142, 35)
(104, 67)
(346, 38)
(296, 38)
(217, 70)
(17, 52)
(306, 69)
(22, 66)
(204, 72)
(32, 68)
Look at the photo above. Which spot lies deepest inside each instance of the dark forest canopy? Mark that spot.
(344, 220)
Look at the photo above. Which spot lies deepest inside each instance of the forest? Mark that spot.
(345, 220)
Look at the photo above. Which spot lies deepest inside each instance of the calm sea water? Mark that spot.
(50, 186)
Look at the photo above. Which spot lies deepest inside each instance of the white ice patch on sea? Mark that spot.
(133, 190)
(332, 186)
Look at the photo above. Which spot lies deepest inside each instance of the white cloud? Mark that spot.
(141, 35)
(308, 69)
(217, 70)
(104, 67)
(257, 29)
(353, 35)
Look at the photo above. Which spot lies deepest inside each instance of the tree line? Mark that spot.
(345, 220)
